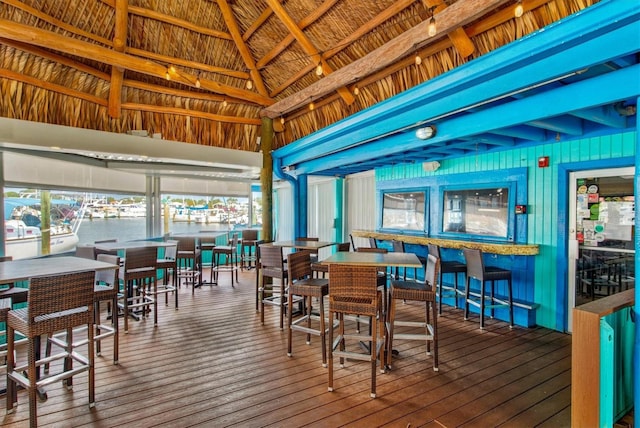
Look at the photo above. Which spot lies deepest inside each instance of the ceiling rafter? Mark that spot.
(43, 38)
(232, 25)
(383, 16)
(255, 26)
(190, 113)
(19, 77)
(158, 16)
(452, 17)
(304, 23)
(119, 45)
(308, 47)
(133, 51)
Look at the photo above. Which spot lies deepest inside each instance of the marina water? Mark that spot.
(126, 229)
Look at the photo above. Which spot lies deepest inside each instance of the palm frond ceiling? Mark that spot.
(182, 68)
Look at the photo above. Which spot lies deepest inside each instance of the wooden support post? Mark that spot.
(266, 178)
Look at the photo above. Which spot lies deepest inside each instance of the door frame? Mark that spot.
(572, 242)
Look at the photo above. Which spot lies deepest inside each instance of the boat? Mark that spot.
(23, 236)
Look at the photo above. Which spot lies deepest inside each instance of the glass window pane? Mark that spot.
(477, 212)
(404, 210)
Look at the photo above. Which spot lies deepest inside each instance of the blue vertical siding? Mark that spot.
(544, 201)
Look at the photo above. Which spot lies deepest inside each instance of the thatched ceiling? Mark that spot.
(180, 68)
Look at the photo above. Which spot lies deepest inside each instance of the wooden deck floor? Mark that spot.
(212, 364)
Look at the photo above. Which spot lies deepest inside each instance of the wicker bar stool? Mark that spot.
(354, 290)
(448, 266)
(477, 270)
(301, 284)
(248, 248)
(189, 262)
(139, 274)
(169, 264)
(272, 266)
(230, 253)
(421, 292)
(58, 302)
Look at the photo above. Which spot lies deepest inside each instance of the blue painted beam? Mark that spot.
(601, 33)
(566, 125)
(491, 140)
(604, 115)
(523, 132)
(604, 89)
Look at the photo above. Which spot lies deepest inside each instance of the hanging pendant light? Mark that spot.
(519, 10)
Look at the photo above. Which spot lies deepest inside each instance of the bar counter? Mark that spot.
(485, 247)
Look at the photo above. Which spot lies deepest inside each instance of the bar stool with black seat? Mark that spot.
(421, 292)
(189, 262)
(57, 302)
(140, 274)
(353, 290)
(272, 266)
(318, 267)
(206, 245)
(230, 253)
(477, 270)
(168, 264)
(448, 266)
(399, 247)
(248, 248)
(9, 297)
(301, 284)
(106, 288)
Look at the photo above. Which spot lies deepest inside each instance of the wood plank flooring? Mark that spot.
(212, 364)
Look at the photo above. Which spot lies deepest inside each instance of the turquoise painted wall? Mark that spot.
(543, 196)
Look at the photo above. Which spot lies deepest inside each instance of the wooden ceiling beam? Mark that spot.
(383, 16)
(308, 47)
(456, 15)
(458, 36)
(234, 30)
(119, 45)
(19, 77)
(43, 38)
(304, 23)
(138, 52)
(157, 16)
(191, 113)
(266, 13)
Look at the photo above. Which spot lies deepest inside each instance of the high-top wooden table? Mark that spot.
(21, 270)
(374, 259)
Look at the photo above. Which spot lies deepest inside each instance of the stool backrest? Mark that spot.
(56, 294)
(344, 247)
(372, 250)
(107, 277)
(353, 289)
(171, 251)
(398, 246)
(431, 270)
(140, 258)
(475, 264)
(299, 264)
(271, 261)
(186, 244)
(250, 234)
(86, 251)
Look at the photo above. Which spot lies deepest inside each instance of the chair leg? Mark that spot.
(482, 294)
(435, 336)
(392, 317)
(466, 298)
(510, 291)
(323, 328)
(330, 362)
(373, 351)
(289, 332)
(116, 329)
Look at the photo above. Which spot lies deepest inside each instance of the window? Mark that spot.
(482, 212)
(403, 211)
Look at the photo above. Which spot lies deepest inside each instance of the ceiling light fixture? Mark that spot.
(356, 90)
(432, 27)
(281, 120)
(198, 81)
(224, 102)
(519, 10)
(167, 75)
(312, 106)
(418, 59)
(426, 132)
(249, 84)
(319, 70)
(430, 166)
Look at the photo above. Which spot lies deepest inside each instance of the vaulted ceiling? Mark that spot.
(207, 72)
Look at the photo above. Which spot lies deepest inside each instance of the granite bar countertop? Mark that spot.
(485, 247)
